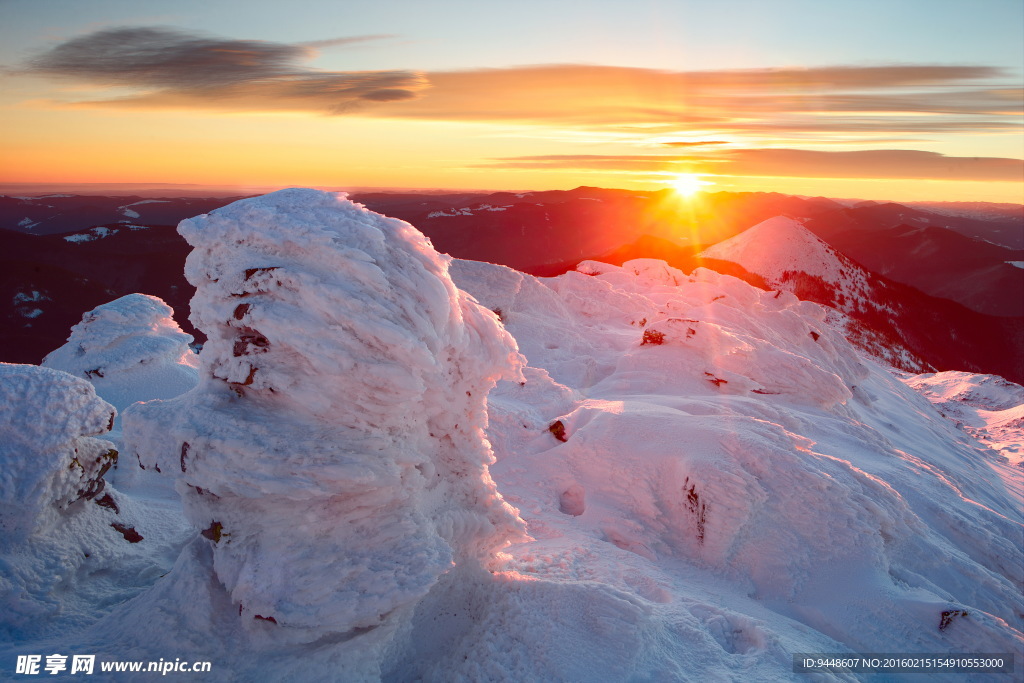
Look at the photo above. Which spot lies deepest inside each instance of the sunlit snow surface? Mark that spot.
(131, 349)
(711, 477)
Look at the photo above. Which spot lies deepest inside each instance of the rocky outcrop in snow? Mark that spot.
(333, 453)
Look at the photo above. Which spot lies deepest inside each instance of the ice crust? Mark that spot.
(339, 417)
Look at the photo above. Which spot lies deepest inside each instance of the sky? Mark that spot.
(904, 100)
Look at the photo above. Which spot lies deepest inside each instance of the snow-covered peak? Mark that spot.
(779, 245)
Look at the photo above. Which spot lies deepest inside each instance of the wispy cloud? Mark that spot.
(694, 143)
(345, 41)
(863, 98)
(173, 69)
(889, 163)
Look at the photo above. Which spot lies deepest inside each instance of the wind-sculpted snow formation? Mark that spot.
(333, 452)
(47, 444)
(53, 472)
(130, 349)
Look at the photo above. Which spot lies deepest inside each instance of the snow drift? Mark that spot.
(333, 452)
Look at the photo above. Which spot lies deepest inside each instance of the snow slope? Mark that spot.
(711, 477)
(752, 442)
(790, 257)
(986, 406)
(783, 245)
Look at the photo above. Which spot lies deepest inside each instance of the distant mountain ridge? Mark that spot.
(58, 214)
(963, 252)
(939, 261)
(908, 328)
(121, 245)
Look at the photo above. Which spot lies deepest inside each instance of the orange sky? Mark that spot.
(115, 101)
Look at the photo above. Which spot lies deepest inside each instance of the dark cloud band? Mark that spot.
(180, 69)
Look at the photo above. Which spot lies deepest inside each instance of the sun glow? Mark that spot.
(688, 184)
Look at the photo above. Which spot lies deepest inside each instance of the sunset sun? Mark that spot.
(688, 184)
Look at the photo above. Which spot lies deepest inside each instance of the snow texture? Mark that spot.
(782, 245)
(131, 349)
(711, 476)
(51, 459)
(988, 407)
(333, 451)
(710, 428)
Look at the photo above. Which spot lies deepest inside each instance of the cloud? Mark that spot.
(694, 143)
(720, 101)
(174, 69)
(877, 163)
(170, 69)
(892, 164)
(155, 57)
(345, 41)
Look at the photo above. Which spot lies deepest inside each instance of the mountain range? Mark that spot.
(924, 287)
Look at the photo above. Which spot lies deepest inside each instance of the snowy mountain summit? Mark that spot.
(881, 317)
(707, 478)
(780, 247)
